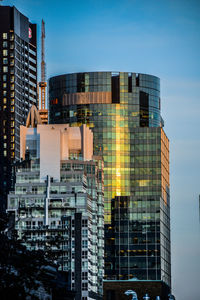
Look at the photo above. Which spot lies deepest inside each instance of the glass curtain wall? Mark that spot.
(123, 110)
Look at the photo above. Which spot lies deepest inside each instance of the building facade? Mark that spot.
(60, 209)
(18, 87)
(123, 111)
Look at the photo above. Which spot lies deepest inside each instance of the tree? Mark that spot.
(24, 274)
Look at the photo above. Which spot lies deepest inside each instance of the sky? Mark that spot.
(158, 37)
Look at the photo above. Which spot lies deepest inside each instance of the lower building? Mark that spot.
(115, 289)
(62, 214)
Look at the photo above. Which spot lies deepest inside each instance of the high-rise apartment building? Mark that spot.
(58, 202)
(123, 111)
(18, 87)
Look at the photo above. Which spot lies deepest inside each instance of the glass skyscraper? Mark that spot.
(123, 111)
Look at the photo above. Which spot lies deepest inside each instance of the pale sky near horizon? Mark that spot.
(158, 37)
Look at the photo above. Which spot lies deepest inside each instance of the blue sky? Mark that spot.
(159, 37)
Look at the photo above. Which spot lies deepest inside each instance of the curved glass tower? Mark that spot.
(123, 110)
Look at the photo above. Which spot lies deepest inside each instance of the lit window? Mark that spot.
(4, 85)
(4, 107)
(5, 153)
(12, 101)
(5, 44)
(4, 145)
(5, 137)
(5, 69)
(4, 93)
(5, 35)
(4, 77)
(4, 100)
(5, 52)
(12, 109)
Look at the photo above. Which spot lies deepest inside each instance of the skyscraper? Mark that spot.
(18, 86)
(123, 110)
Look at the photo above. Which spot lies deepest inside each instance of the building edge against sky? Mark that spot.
(58, 199)
(18, 87)
(123, 111)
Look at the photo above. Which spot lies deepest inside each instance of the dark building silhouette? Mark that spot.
(18, 87)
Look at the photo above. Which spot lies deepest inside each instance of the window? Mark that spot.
(5, 44)
(5, 69)
(4, 85)
(84, 286)
(5, 35)
(4, 100)
(34, 190)
(5, 52)
(84, 254)
(4, 78)
(84, 275)
(85, 244)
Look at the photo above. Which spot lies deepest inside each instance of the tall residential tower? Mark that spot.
(123, 111)
(18, 87)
